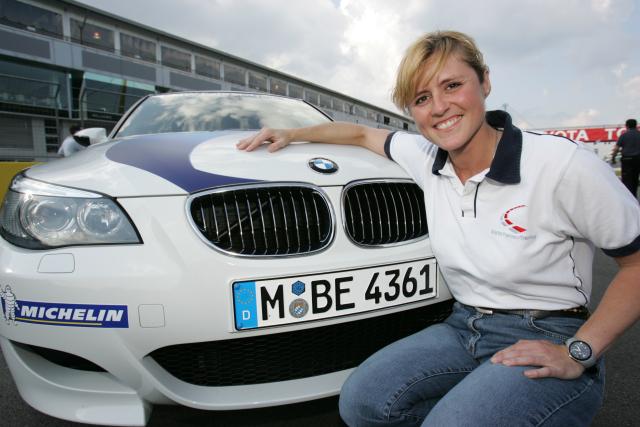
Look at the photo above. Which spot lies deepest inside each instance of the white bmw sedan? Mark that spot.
(164, 266)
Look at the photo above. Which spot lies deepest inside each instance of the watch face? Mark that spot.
(580, 350)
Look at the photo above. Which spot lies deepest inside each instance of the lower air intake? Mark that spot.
(292, 355)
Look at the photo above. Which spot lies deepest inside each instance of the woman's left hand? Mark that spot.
(553, 359)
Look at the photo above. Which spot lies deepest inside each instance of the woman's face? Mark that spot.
(449, 109)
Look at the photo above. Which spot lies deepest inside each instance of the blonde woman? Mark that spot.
(514, 219)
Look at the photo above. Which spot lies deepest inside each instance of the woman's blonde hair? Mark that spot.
(437, 46)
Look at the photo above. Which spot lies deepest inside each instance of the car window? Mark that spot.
(192, 112)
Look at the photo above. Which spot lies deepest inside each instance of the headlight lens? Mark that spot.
(36, 215)
(100, 218)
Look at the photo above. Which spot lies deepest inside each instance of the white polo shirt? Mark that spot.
(521, 234)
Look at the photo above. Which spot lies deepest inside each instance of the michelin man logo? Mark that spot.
(9, 305)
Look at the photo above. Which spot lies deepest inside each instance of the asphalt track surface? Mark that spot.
(621, 406)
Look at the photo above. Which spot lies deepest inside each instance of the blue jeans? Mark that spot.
(442, 376)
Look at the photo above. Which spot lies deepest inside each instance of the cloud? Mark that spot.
(601, 6)
(632, 96)
(370, 50)
(632, 87)
(618, 69)
(548, 59)
(583, 118)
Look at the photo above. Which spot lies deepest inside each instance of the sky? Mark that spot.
(552, 63)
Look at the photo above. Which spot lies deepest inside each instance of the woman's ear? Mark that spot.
(486, 84)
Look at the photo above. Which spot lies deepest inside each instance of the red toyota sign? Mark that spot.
(593, 134)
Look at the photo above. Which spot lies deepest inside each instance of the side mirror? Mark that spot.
(90, 136)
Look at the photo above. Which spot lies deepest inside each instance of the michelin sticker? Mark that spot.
(48, 313)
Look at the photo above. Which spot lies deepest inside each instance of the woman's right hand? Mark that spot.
(278, 138)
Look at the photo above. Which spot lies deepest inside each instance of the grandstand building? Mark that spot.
(62, 62)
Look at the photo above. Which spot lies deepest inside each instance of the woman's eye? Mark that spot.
(453, 85)
(422, 99)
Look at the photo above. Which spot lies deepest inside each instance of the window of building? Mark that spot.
(107, 98)
(311, 96)
(92, 35)
(135, 47)
(207, 67)
(405, 126)
(279, 87)
(359, 111)
(295, 91)
(21, 15)
(16, 133)
(257, 81)
(325, 101)
(339, 105)
(33, 86)
(233, 74)
(176, 58)
(51, 137)
(348, 108)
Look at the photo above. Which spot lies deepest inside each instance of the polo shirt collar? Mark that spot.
(505, 167)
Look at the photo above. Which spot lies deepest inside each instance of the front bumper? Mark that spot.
(176, 290)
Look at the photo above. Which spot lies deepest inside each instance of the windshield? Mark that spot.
(209, 111)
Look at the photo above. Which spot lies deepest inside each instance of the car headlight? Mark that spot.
(37, 215)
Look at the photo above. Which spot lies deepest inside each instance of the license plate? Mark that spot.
(294, 299)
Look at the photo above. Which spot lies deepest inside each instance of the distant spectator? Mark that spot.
(629, 143)
(70, 145)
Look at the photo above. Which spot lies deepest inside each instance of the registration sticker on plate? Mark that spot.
(293, 299)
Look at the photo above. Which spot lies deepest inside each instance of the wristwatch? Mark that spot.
(581, 352)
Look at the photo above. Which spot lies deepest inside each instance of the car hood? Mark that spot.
(183, 163)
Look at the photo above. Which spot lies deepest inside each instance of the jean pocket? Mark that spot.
(557, 329)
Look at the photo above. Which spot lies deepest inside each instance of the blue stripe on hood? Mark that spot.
(167, 155)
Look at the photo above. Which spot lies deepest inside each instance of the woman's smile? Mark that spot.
(449, 123)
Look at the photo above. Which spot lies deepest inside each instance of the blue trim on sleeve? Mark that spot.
(387, 145)
(631, 248)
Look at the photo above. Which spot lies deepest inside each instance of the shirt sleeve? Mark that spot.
(593, 204)
(413, 153)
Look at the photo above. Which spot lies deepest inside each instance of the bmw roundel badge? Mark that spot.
(322, 165)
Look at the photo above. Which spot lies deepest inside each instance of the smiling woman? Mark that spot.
(484, 364)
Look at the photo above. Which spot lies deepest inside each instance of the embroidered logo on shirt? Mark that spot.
(514, 220)
(510, 218)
